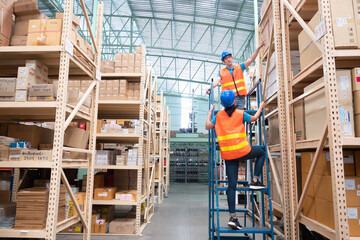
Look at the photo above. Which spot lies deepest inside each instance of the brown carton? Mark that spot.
(25, 7)
(33, 134)
(4, 41)
(18, 40)
(21, 95)
(7, 5)
(322, 210)
(21, 26)
(357, 125)
(7, 86)
(352, 190)
(122, 226)
(299, 120)
(5, 23)
(76, 138)
(353, 215)
(356, 79)
(44, 32)
(104, 193)
(309, 207)
(356, 102)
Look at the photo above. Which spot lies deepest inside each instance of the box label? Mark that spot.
(69, 47)
(358, 192)
(352, 213)
(357, 70)
(347, 130)
(344, 83)
(103, 194)
(349, 184)
(320, 30)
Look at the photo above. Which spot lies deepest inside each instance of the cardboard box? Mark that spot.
(357, 125)
(25, 7)
(38, 67)
(356, 79)
(127, 195)
(352, 190)
(21, 95)
(43, 90)
(310, 191)
(274, 137)
(7, 5)
(5, 195)
(324, 212)
(44, 32)
(21, 26)
(75, 96)
(4, 41)
(76, 138)
(315, 109)
(299, 120)
(5, 23)
(122, 226)
(356, 102)
(76, 228)
(26, 77)
(104, 193)
(323, 187)
(353, 215)
(33, 134)
(107, 66)
(309, 207)
(18, 40)
(7, 86)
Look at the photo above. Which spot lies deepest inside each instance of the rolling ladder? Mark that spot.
(216, 231)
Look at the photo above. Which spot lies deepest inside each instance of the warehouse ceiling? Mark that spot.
(184, 38)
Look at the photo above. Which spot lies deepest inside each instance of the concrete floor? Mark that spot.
(181, 216)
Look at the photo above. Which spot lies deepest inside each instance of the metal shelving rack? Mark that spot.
(288, 20)
(141, 109)
(63, 63)
(159, 153)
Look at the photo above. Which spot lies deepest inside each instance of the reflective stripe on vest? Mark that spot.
(227, 82)
(231, 135)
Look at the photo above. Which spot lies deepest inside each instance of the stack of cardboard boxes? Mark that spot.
(318, 203)
(315, 107)
(118, 126)
(127, 62)
(32, 206)
(119, 90)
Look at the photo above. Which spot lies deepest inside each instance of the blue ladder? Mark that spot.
(215, 230)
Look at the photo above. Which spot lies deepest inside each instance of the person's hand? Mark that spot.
(262, 105)
(212, 107)
(208, 91)
(262, 44)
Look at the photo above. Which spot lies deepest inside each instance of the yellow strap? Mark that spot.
(234, 147)
(232, 83)
(231, 136)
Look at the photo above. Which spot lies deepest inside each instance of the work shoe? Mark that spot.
(234, 224)
(256, 185)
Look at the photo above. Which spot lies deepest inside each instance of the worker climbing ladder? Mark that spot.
(216, 231)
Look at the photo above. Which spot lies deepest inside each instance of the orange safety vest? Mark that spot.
(227, 82)
(231, 135)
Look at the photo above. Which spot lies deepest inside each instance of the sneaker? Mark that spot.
(256, 185)
(234, 224)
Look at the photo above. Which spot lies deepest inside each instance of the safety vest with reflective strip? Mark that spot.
(227, 82)
(231, 135)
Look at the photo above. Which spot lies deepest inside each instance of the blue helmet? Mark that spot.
(224, 54)
(227, 98)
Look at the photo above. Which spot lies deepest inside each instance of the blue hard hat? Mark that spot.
(224, 54)
(227, 98)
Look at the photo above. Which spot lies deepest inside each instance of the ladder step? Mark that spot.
(244, 189)
(239, 182)
(233, 237)
(262, 230)
(242, 210)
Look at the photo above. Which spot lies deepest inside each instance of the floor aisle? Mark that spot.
(181, 216)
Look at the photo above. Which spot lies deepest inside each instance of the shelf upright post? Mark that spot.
(141, 154)
(93, 127)
(291, 177)
(54, 190)
(335, 138)
(289, 225)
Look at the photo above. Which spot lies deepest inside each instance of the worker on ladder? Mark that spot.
(230, 130)
(232, 77)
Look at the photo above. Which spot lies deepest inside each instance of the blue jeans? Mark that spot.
(240, 102)
(232, 167)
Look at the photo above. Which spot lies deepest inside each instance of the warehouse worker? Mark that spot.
(230, 129)
(234, 74)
